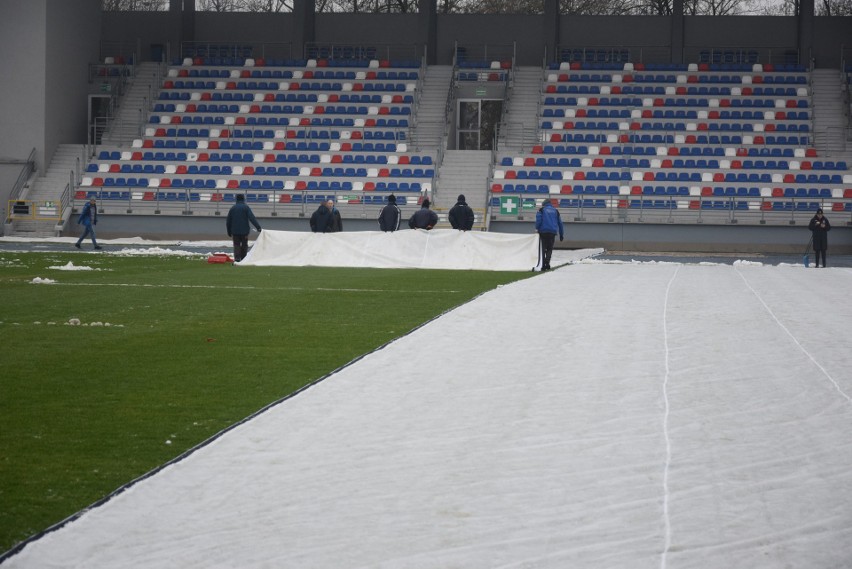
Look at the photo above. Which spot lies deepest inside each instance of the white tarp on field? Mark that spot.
(643, 416)
(417, 249)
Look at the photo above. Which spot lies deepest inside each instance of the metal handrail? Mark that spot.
(26, 172)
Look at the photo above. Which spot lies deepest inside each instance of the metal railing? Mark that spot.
(26, 172)
(264, 203)
(683, 210)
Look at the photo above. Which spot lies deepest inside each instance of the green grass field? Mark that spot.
(179, 351)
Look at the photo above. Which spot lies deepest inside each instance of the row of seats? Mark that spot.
(213, 105)
(255, 184)
(286, 109)
(319, 130)
(728, 67)
(674, 203)
(293, 171)
(685, 96)
(280, 97)
(194, 169)
(801, 125)
(704, 145)
(671, 176)
(676, 115)
(293, 73)
(675, 190)
(287, 86)
(741, 79)
(653, 139)
(314, 62)
(631, 103)
(256, 198)
(209, 121)
(189, 158)
(677, 163)
(292, 144)
(659, 90)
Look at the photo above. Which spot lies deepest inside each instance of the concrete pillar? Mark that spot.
(550, 29)
(428, 25)
(677, 32)
(806, 30)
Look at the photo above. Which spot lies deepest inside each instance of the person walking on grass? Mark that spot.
(820, 227)
(461, 215)
(548, 223)
(237, 224)
(390, 216)
(88, 219)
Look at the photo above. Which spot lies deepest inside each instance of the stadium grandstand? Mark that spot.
(668, 132)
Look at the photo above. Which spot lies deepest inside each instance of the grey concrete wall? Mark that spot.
(148, 28)
(22, 90)
(249, 28)
(649, 36)
(378, 30)
(477, 30)
(72, 42)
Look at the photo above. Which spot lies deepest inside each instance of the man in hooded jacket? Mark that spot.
(390, 216)
(461, 215)
(423, 218)
(820, 227)
(548, 222)
(237, 225)
(326, 219)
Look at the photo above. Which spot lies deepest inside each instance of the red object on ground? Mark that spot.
(220, 259)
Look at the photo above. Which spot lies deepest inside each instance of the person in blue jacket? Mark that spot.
(548, 223)
(88, 219)
(237, 224)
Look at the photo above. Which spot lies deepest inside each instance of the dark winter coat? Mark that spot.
(89, 215)
(390, 217)
(548, 220)
(239, 217)
(820, 228)
(423, 218)
(326, 220)
(461, 216)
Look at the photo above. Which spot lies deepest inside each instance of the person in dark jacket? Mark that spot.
(461, 215)
(88, 219)
(820, 227)
(548, 223)
(326, 219)
(390, 215)
(423, 218)
(237, 224)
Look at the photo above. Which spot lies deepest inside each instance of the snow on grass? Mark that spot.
(70, 266)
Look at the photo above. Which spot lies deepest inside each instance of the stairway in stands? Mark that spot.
(463, 172)
(519, 130)
(830, 119)
(133, 106)
(68, 159)
(429, 130)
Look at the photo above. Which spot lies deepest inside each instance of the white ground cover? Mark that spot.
(603, 415)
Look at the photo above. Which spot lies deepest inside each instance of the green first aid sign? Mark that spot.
(509, 205)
